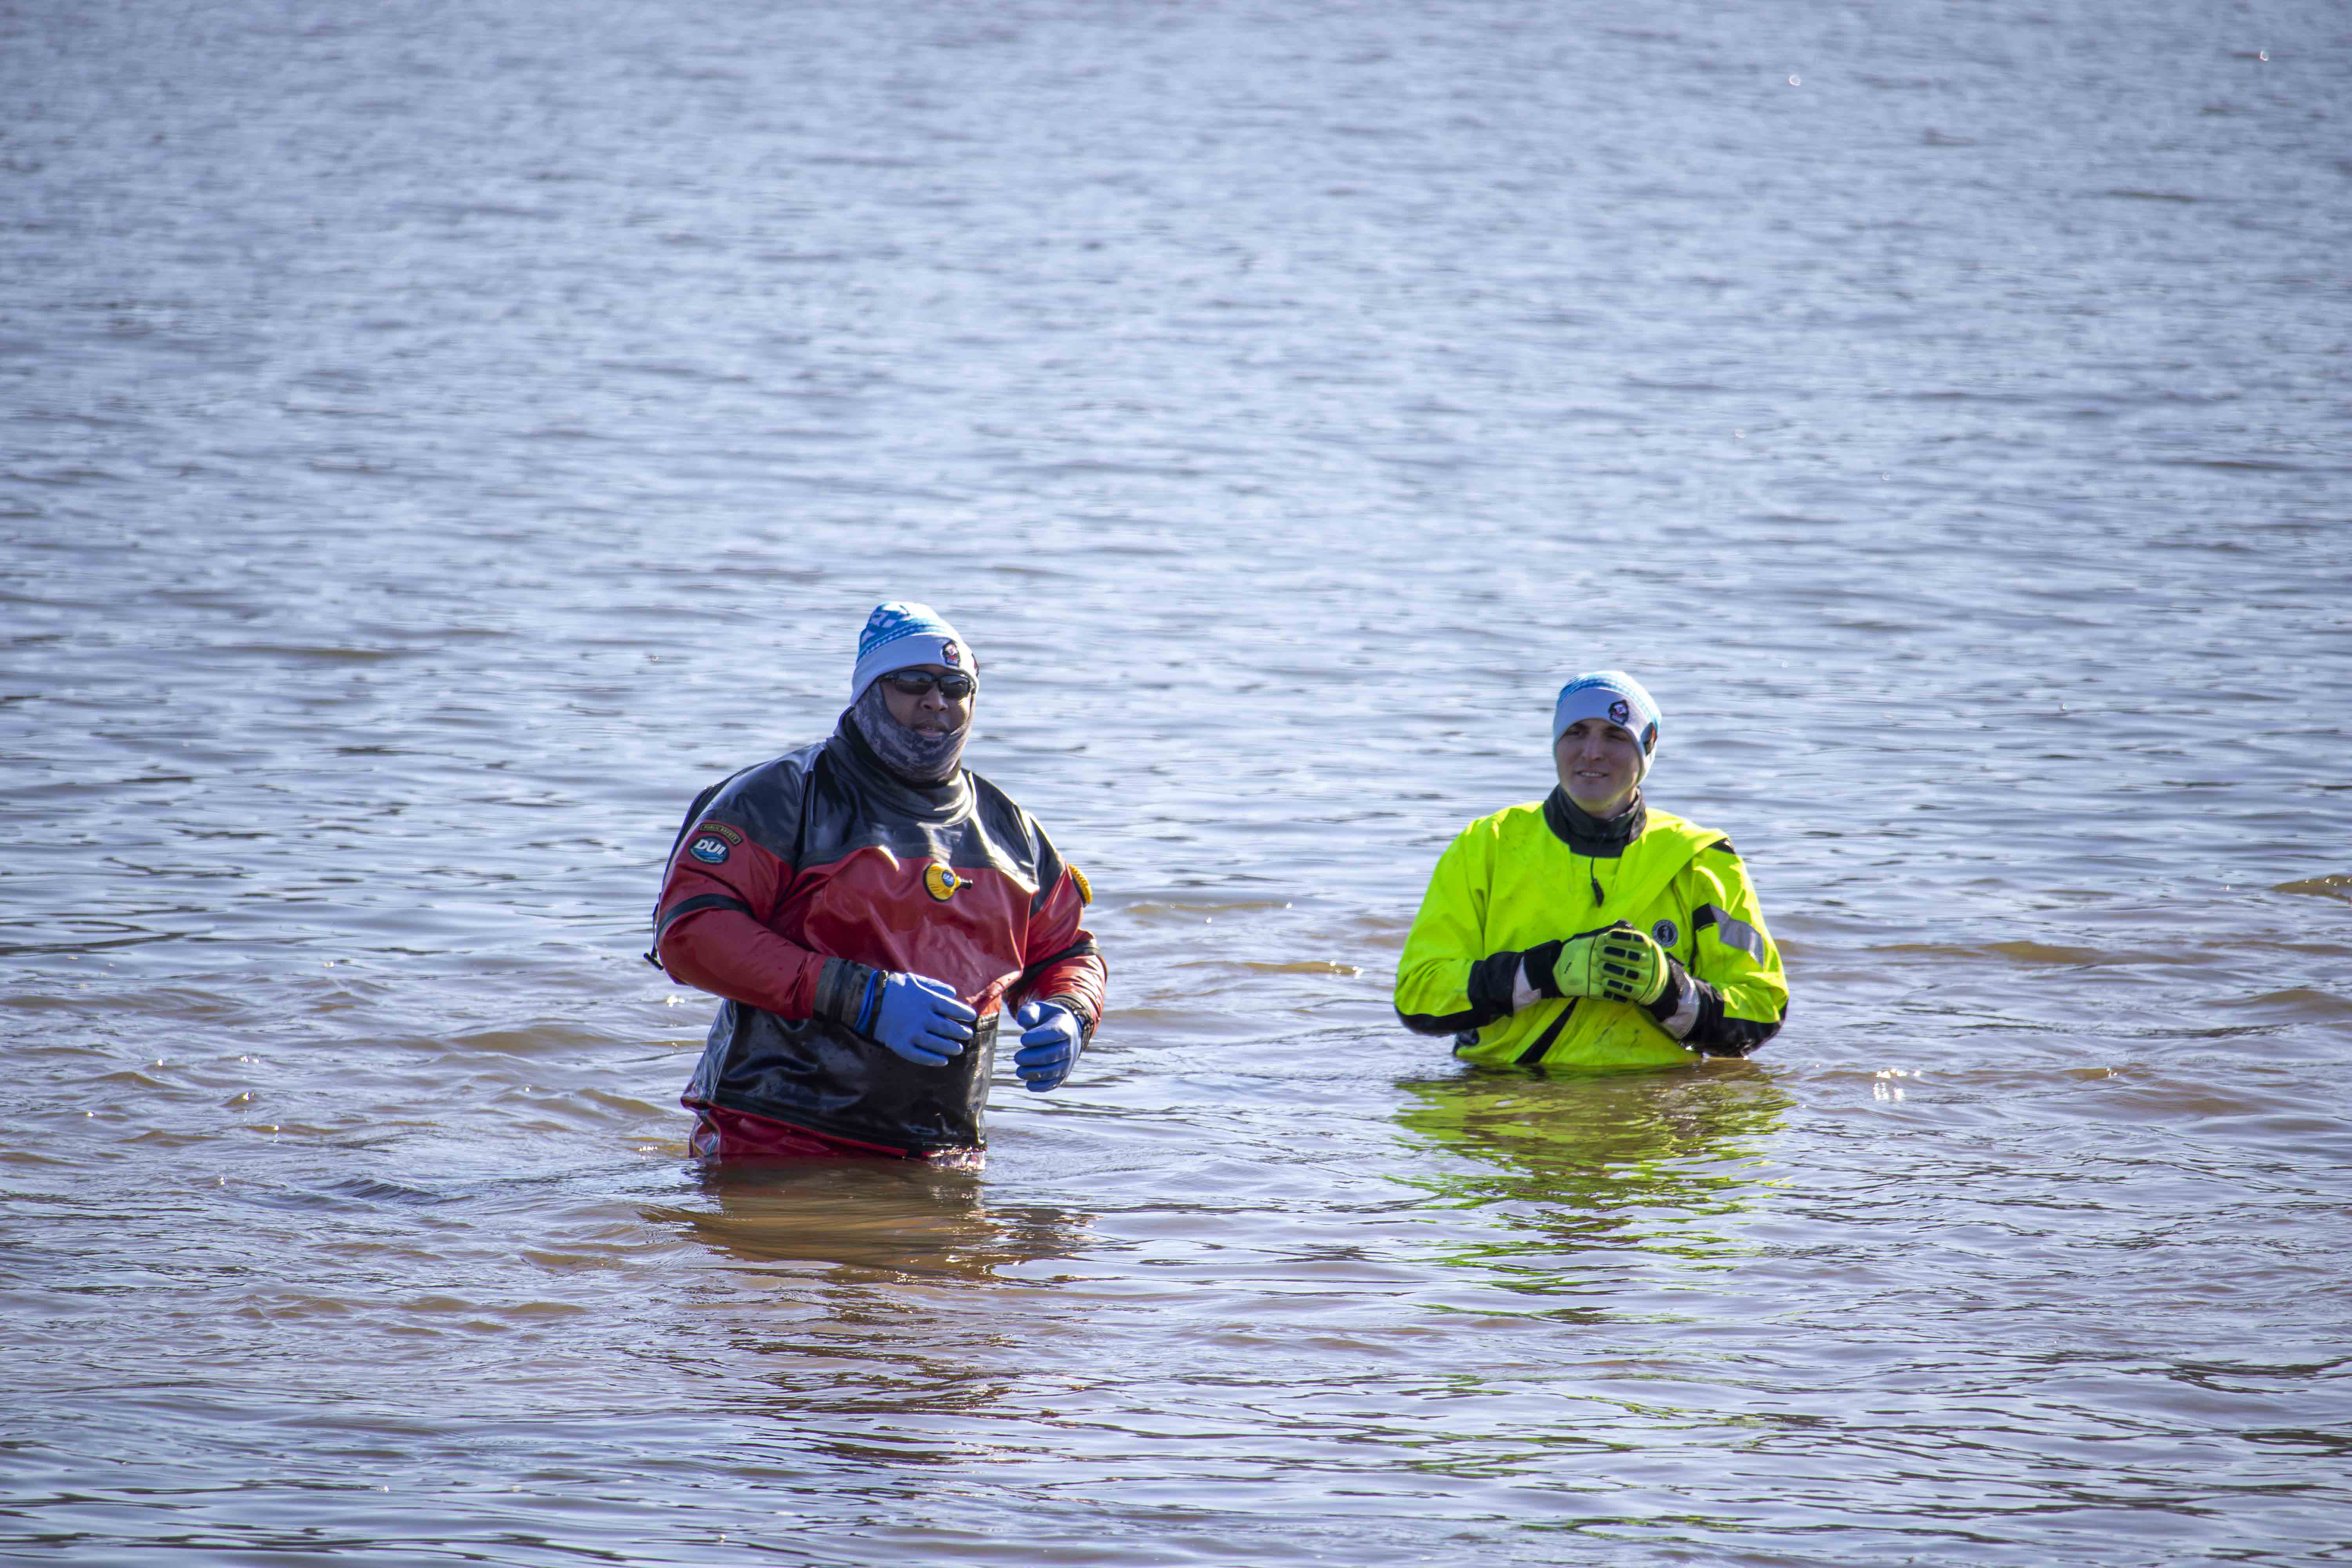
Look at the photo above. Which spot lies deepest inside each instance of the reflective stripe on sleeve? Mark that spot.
(1685, 1017)
(1730, 930)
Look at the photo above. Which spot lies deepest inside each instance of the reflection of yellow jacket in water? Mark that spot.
(1506, 892)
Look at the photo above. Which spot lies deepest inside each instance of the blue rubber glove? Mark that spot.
(1050, 1043)
(921, 1019)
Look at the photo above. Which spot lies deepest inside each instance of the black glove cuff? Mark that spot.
(1670, 1000)
(1493, 980)
(845, 990)
(1541, 960)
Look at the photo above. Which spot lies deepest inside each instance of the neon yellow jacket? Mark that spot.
(1513, 884)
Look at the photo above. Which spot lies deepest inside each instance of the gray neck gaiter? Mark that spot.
(914, 756)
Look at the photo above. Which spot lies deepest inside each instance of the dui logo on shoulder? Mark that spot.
(708, 848)
(942, 883)
(1664, 933)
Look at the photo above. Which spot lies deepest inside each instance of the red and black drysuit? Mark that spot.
(801, 878)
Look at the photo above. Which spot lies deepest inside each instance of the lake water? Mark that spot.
(436, 440)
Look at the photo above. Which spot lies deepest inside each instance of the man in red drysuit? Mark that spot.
(862, 906)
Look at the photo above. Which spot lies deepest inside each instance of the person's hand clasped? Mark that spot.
(1050, 1043)
(1616, 963)
(921, 1019)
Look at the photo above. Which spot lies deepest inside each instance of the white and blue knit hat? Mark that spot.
(1613, 695)
(898, 636)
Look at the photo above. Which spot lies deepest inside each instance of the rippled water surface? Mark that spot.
(433, 441)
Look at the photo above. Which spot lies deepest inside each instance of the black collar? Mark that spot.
(1590, 834)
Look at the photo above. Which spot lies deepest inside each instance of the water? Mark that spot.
(434, 440)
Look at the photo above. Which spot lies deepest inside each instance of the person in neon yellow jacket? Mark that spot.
(1586, 930)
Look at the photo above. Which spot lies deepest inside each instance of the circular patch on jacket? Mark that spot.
(1664, 933)
(708, 848)
(942, 883)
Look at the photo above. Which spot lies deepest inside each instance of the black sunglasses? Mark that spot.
(955, 687)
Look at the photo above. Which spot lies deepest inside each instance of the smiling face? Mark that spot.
(1600, 765)
(931, 713)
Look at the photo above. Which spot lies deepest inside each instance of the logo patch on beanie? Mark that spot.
(942, 883)
(1664, 933)
(951, 656)
(1619, 712)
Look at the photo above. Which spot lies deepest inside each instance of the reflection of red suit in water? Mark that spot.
(825, 855)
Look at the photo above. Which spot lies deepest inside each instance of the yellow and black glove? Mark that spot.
(1616, 962)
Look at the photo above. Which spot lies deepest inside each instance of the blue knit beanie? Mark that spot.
(898, 636)
(1613, 695)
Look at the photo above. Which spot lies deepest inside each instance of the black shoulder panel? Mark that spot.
(836, 819)
(1016, 840)
(999, 812)
(1006, 836)
(766, 802)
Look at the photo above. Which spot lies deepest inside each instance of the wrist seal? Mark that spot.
(847, 993)
(1678, 1008)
